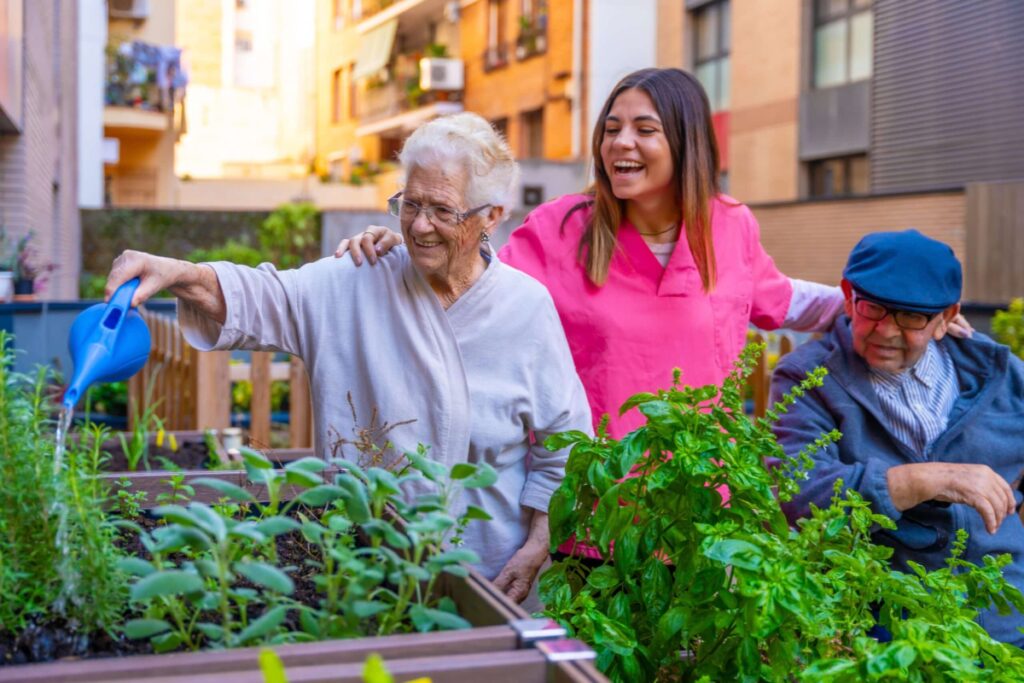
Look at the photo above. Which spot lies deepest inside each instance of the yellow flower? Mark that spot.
(174, 442)
(160, 437)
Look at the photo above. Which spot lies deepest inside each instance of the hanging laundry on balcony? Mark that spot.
(145, 76)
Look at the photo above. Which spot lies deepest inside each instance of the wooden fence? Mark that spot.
(192, 389)
(760, 380)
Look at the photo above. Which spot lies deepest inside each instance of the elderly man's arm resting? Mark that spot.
(195, 284)
(891, 489)
(976, 485)
(806, 421)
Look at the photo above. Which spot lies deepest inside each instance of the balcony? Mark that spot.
(395, 107)
(415, 12)
(533, 37)
(144, 82)
(495, 57)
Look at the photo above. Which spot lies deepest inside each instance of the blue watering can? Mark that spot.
(108, 343)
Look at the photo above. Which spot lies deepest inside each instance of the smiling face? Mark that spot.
(444, 254)
(886, 346)
(635, 152)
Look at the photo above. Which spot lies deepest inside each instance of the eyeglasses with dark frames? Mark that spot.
(907, 320)
(441, 216)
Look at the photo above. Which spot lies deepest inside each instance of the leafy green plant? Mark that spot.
(128, 503)
(694, 589)
(41, 499)
(179, 491)
(291, 234)
(215, 579)
(1008, 327)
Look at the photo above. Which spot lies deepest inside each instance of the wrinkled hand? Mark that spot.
(155, 274)
(516, 578)
(373, 242)
(976, 485)
(959, 327)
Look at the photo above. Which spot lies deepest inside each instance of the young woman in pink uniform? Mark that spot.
(654, 268)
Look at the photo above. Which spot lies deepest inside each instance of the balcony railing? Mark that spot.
(532, 39)
(401, 92)
(392, 99)
(496, 57)
(144, 76)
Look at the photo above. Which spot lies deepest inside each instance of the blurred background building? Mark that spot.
(834, 117)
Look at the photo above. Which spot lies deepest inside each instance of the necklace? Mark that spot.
(660, 232)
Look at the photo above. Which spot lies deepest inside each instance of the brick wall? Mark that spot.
(37, 167)
(811, 240)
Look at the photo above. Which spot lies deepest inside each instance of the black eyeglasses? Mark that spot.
(907, 320)
(441, 216)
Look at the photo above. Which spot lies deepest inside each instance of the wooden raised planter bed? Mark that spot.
(498, 649)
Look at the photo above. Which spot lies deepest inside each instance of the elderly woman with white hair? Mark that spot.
(454, 349)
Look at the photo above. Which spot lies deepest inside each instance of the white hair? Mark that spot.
(466, 141)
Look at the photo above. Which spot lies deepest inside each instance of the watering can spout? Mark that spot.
(108, 343)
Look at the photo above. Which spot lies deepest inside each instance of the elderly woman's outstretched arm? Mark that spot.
(195, 284)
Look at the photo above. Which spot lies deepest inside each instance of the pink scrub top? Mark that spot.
(628, 335)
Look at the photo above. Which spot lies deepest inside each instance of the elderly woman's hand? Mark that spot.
(196, 284)
(517, 576)
(373, 242)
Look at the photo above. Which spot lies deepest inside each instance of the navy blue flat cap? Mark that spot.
(905, 270)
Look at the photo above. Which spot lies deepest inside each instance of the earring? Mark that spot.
(485, 238)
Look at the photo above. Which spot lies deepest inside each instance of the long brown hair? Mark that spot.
(685, 115)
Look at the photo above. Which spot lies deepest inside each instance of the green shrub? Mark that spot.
(697, 590)
(1008, 327)
(46, 508)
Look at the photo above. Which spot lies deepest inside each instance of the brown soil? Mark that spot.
(192, 454)
(50, 637)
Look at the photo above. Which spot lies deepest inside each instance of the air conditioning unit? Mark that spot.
(438, 73)
(129, 9)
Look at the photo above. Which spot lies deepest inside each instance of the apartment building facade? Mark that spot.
(841, 117)
(527, 66)
(143, 86)
(38, 135)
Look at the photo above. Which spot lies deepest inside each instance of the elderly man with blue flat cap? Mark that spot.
(933, 426)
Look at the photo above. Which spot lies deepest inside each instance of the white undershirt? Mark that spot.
(662, 252)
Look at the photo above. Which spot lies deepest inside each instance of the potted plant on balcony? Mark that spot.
(29, 274)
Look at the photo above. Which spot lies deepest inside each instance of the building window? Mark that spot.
(243, 41)
(336, 96)
(840, 177)
(496, 55)
(352, 114)
(533, 29)
(712, 29)
(843, 41)
(531, 138)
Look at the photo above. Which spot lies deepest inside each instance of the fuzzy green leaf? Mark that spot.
(266, 575)
(225, 488)
(267, 623)
(166, 582)
(321, 495)
(135, 566)
(137, 629)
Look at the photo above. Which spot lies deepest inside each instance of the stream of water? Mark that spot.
(65, 570)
